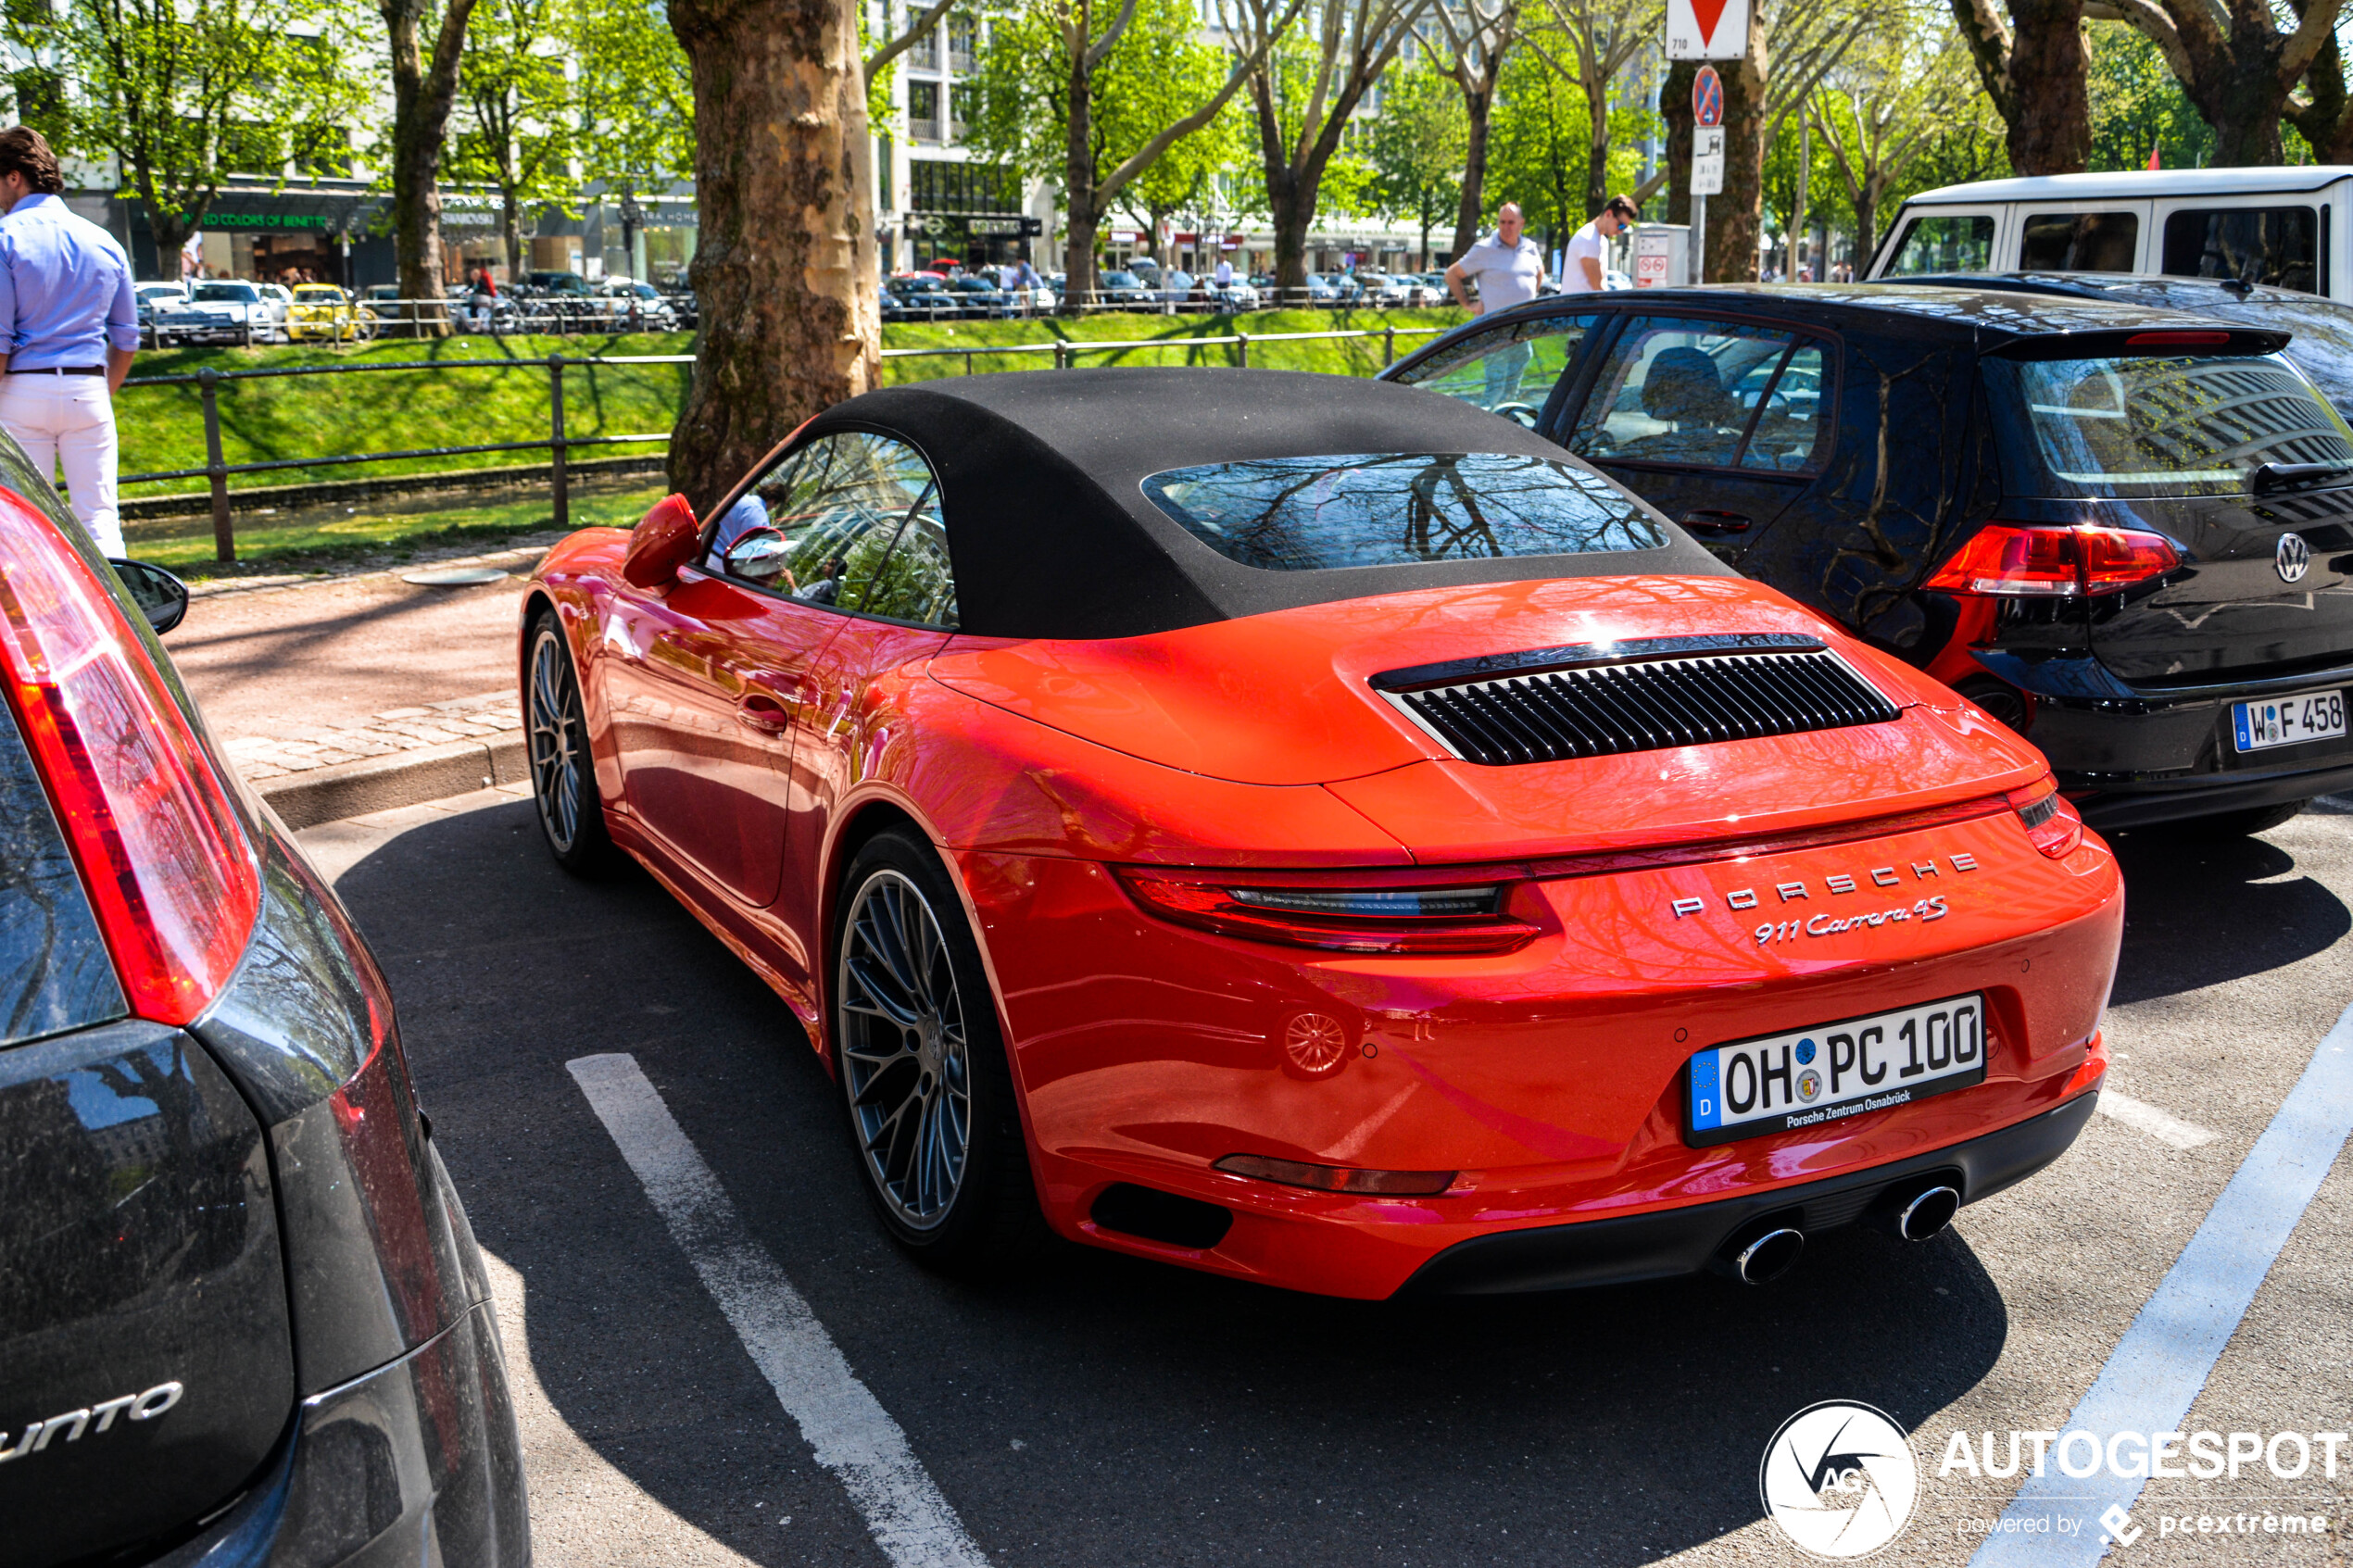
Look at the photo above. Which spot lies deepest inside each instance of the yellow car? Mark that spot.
(322, 310)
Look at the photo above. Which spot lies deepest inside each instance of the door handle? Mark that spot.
(1708, 520)
(761, 711)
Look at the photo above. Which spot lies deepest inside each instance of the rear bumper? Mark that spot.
(2131, 756)
(1682, 1241)
(417, 1462)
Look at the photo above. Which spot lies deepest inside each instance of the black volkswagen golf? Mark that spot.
(2125, 532)
(242, 1320)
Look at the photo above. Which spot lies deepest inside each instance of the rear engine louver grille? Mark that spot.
(1552, 704)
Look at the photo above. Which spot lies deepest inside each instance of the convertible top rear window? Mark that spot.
(1308, 514)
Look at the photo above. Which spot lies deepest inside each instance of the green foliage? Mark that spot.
(636, 94)
(2138, 104)
(1415, 149)
(514, 125)
(1536, 145)
(181, 93)
(1159, 73)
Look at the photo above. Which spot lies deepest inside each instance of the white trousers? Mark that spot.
(70, 418)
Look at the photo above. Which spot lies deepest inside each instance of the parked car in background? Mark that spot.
(151, 297)
(2126, 533)
(980, 296)
(1230, 298)
(217, 310)
(246, 1321)
(682, 306)
(637, 307)
(322, 311)
(1328, 289)
(279, 299)
(2279, 226)
(923, 296)
(1122, 289)
(2321, 348)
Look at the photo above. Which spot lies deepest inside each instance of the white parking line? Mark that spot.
(2143, 1117)
(853, 1435)
(2155, 1371)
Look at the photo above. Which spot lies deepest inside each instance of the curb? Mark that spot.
(407, 778)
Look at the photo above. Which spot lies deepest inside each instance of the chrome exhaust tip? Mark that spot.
(1927, 1214)
(1767, 1257)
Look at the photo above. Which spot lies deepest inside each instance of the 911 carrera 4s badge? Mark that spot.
(1829, 1072)
(1930, 906)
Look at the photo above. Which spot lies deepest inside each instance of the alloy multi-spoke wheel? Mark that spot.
(564, 781)
(906, 1060)
(925, 1076)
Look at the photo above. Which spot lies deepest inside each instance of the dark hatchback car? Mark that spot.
(2321, 347)
(2127, 532)
(243, 1320)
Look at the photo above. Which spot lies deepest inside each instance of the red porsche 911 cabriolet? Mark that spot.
(1312, 829)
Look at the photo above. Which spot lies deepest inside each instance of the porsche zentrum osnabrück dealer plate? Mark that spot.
(1835, 1071)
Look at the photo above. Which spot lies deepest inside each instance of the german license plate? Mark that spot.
(1814, 1076)
(2289, 720)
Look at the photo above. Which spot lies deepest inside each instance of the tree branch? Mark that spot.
(917, 31)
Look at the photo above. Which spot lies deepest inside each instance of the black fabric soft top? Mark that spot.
(1052, 536)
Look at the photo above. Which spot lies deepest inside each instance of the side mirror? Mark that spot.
(664, 541)
(162, 596)
(761, 556)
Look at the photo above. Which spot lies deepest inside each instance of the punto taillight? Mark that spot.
(168, 871)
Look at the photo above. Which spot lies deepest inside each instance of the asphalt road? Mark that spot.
(1110, 1411)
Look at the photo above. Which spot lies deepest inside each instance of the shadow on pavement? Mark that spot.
(1099, 1410)
(2200, 911)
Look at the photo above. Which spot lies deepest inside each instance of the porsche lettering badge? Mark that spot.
(1830, 923)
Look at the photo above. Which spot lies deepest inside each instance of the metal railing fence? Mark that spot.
(558, 443)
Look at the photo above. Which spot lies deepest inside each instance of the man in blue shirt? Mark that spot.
(69, 328)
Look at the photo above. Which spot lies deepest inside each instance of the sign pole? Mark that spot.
(1698, 247)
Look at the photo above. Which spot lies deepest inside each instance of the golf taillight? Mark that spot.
(2052, 825)
(1332, 913)
(2029, 562)
(169, 872)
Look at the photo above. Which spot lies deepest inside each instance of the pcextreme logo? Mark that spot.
(1839, 1480)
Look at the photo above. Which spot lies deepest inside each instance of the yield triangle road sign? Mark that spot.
(1706, 30)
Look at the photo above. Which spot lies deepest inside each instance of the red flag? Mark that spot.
(2152, 162)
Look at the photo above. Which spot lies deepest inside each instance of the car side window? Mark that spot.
(915, 582)
(1510, 372)
(819, 524)
(2256, 245)
(1706, 395)
(2080, 242)
(1961, 244)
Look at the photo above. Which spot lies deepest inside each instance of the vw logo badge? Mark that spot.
(2293, 558)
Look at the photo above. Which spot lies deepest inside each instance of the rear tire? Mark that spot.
(925, 1085)
(563, 776)
(2238, 824)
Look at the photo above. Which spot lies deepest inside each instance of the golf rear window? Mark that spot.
(1310, 514)
(2174, 424)
(54, 970)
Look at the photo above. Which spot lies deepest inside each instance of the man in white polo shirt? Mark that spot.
(1510, 270)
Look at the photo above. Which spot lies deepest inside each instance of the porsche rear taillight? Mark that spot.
(169, 872)
(1330, 911)
(2052, 824)
(2016, 560)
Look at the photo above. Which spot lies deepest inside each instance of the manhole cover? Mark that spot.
(455, 577)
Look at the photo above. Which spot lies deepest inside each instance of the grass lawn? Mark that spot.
(279, 418)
